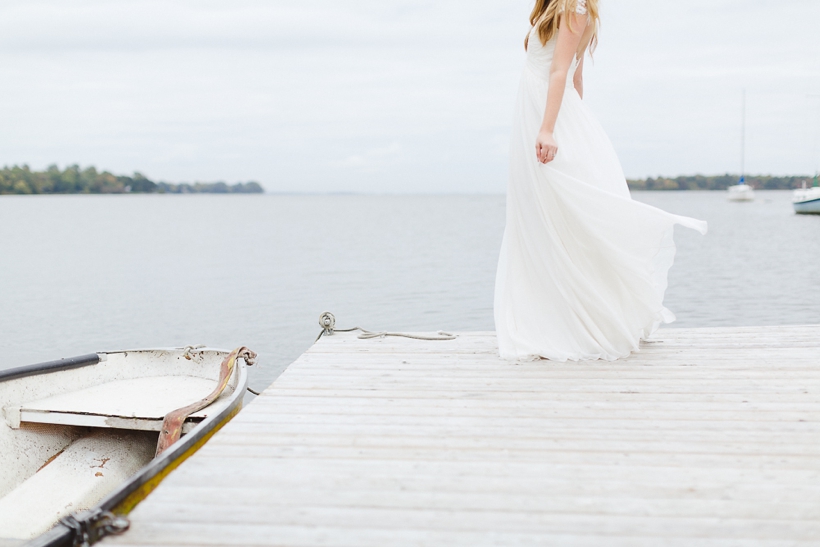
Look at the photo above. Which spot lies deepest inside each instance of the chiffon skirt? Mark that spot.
(583, 266)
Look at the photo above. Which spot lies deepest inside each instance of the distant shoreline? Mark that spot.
(718, 182)
(20, 180)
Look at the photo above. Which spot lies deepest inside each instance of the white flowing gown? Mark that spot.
(583, 266)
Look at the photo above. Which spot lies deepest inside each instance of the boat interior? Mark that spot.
(69, 437)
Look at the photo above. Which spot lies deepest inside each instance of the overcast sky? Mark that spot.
(392, 96)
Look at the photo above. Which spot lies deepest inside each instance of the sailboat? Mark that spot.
(742, 191)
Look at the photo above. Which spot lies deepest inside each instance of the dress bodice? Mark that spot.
(539, 57)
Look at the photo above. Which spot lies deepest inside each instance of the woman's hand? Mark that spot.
(545, 147)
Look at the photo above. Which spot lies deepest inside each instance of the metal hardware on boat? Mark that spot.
(191, 350)
(94, 526)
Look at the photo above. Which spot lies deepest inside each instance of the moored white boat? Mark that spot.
(83, 440)
(741, 192)
(806, 201)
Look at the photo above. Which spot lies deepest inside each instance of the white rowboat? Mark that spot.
(84, 440)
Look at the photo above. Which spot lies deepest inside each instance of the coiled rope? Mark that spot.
(328, 323)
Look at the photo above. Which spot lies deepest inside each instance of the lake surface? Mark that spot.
(85, 273)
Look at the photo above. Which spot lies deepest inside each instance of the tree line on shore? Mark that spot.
(719, 182)
(74, 180)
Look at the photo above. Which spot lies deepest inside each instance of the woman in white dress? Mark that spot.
(583, 266)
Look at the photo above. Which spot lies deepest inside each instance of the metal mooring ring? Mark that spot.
(328, 322)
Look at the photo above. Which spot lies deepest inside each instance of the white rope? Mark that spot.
(328, 323)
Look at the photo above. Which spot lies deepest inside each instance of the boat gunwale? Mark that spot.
(137, 487)
(67, 363)
(802, 202)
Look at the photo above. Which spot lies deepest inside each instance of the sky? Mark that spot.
(403, 96)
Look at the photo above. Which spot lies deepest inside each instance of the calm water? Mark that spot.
(86, 273)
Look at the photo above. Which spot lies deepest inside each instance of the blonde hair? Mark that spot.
(546, 16)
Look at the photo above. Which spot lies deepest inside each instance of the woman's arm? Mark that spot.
(565, 51)
(578, 79)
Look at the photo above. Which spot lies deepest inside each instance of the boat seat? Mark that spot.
(135, 403)
(75, 480)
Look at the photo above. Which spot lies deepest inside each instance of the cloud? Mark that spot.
(244, 89)
(373, 159)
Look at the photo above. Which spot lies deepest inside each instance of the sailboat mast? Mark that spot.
(816, 144)
(743, 140)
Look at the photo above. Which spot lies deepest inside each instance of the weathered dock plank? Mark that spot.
(705, 437)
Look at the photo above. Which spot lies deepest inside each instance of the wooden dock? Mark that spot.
(707, 437)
